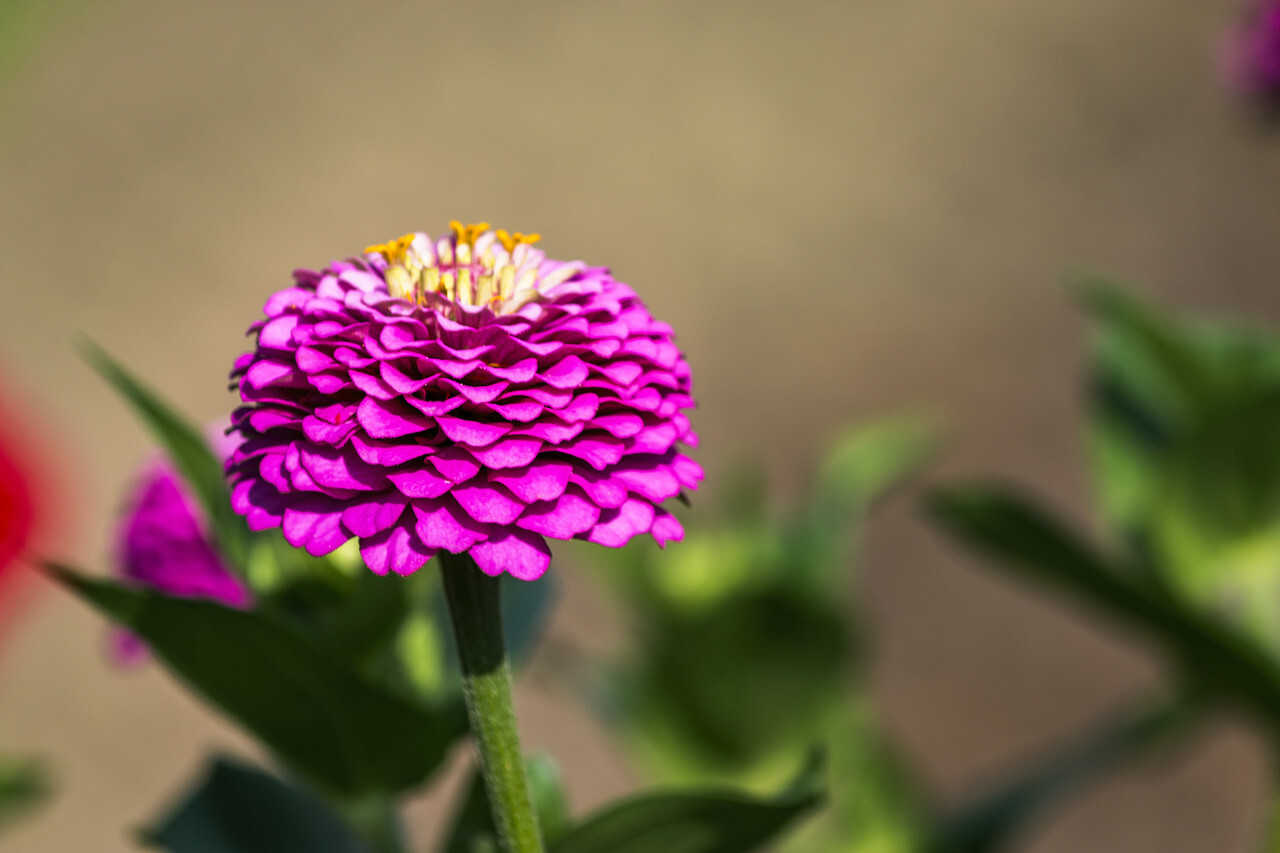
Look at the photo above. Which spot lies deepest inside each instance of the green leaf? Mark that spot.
(989, 821)
(872, 458)
(472, 829)
(237, 808)
(708, 822)
(187, 449)
(1023, 539)
(789, 654)
(24, 785)
(330, 724)
(864, 464)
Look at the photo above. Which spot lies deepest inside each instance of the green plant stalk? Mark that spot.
(474, 608)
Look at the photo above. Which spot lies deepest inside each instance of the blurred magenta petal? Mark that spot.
(1251, 53)
(163, 542)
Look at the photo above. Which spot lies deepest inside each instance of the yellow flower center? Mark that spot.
(474, 267)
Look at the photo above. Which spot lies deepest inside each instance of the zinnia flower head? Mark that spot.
(164, 543)
(1252, 52)
(465, 394)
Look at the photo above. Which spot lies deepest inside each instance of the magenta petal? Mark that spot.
(519, 553)
(455, 463)
(563, 518)
(386, 453)
(472, 433)
(541, 481)
(597, 450)
(316, 527)
(617, 526)
(604, 491)
(666, 528)
(514, 451)
(397, 549)
(688, 472)
(372, 516)
(620, 424)
(340, 468)
(488, 502)
(278, 333)
(569, 372)
(420, 483)
(655, 484)
(443, 524)
(390, 418)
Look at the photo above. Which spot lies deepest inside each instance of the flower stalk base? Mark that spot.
(474, 609)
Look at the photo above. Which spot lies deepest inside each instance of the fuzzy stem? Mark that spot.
(477, 624)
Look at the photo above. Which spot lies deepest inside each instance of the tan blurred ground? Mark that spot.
(843, 208)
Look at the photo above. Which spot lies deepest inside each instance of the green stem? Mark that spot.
(486, 677)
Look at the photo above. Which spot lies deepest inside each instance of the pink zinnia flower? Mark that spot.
(164, 543)
(466, 394)
(1252, 52)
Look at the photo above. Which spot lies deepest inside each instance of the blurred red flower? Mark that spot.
(17, 507)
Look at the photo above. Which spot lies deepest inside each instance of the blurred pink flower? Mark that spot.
(1251, 54)
(164, 543)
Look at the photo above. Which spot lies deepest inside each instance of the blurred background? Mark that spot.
(844, 209)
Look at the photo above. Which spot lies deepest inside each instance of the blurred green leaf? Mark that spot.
(237, 808)
(24, 785)
(333, 726)
(708, 822)
(355, 617)
(862, 465)
(871, 458)
(186, 448)
(472, 828)
(789, 655)
(989, 822)
(1184, 414)
(1023, 539)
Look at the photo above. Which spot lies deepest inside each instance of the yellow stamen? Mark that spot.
(393, 251)
(484, 289)
(506, 282)
(431, 280)
(510, 241)
(465, 293)
(400, 283)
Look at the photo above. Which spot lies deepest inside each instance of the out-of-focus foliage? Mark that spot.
(751, 651)
(749, 646)
(237, 808)
(24, 785)
(1184, 434)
